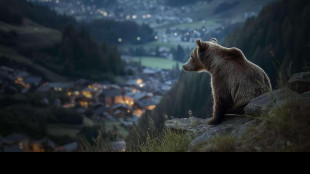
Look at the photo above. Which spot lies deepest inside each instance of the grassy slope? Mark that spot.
(156, 62)
(7, 53)
(39, 37)
(34, 34)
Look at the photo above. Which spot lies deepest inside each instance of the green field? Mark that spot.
(156, 62)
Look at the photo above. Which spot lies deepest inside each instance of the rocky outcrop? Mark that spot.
(300, 82)
(297, 92)
(193, 125)
(263, 104)
(232, 126)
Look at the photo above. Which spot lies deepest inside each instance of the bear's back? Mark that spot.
(245, 79)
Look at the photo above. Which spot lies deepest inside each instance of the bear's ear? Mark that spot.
(199, 44)
(202, 45)
(213, 40)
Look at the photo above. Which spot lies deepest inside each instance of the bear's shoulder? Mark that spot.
(235, 53)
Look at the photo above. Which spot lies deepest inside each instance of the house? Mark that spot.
(34, 81)
(111, 87)
(57, 87)
(44, 145)
(147, 104)
(121, 110)
(14, 143)
(83, 102)
(138, 96)
(112, 97)
(150, 71)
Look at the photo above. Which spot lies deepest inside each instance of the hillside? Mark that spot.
(14, 12)
(53, 50)
(193, 91)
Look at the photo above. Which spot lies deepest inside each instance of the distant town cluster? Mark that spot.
(124, 102)
(113, 101)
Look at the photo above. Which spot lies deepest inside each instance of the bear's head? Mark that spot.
(201, 56)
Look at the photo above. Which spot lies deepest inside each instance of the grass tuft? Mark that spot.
(170, 141)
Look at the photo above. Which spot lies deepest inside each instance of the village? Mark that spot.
(124, 102)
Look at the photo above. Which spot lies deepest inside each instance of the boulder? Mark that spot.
(300, 82)
(231, 126)
(196, 126)
(303, 101)
(263, 104)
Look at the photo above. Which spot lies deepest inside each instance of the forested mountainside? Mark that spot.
(56, 42)
(278, 39)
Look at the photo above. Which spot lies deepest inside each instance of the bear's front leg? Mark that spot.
(220, 109)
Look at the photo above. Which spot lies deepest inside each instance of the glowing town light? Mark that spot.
(134, 17)
(103, 13)
(84, 104)
(156, 37)
(138, 38)
(152, 107)
(134, 90)
(120, 40)
(87, 94)
(187, 34)
(175, 34)
(69, 94)
(71, 105)
(76, 93)
(139, 81)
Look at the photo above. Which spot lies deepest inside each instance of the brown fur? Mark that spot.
(235, 81)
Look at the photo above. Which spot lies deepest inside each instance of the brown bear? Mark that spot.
(235, 80)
